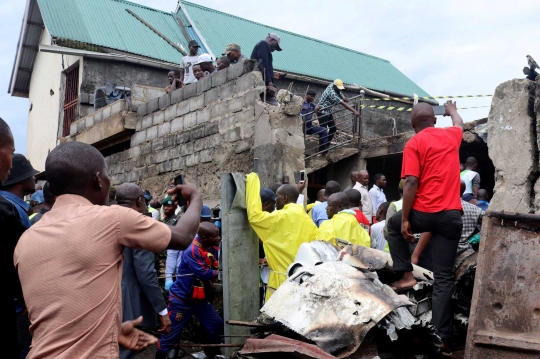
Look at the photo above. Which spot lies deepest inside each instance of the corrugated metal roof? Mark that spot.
(107, 23)
(301, 54)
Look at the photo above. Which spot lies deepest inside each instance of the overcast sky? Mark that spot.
(447, 48)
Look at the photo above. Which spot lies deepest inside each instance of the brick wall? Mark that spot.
(201, 131)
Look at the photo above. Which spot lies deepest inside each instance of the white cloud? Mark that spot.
(448, 48)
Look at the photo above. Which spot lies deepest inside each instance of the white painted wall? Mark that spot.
(43, 120)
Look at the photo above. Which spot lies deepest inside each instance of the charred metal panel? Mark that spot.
(505, 312)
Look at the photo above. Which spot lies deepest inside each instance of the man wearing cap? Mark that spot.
(262, 52)
(49, 198)
(20, 183)
(331, 97)
(170, 219)
(234, 54)
(36, 203)
(207, 64)
(308, 109)
(186, 71)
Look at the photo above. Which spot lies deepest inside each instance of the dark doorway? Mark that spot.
(390, 166)
(486, 170)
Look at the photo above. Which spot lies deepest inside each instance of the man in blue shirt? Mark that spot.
(308, 109)
(20, 183)
(483, 199)
(318, 213)
(262, 52)
(189, 293)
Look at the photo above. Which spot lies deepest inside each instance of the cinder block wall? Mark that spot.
(201, 131)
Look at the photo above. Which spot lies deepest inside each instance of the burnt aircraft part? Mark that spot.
(334, 305)
(505, 312)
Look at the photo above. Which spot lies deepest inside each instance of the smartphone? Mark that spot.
(302, 176)
(179, 180)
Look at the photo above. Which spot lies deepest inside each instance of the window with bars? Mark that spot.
(71, 97)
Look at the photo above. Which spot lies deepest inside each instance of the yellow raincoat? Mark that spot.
(344, 226)
(281, 232)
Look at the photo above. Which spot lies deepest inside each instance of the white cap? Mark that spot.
(276, 37)
(204, 58)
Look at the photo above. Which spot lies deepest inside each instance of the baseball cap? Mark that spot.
(311, 92)
(231, 47)
(22, 169)
(194, 43)
(267, 195)
(276, 37)
(204, 58)
(167, 201)
(339, 84)
(206, 212)
(38, 197)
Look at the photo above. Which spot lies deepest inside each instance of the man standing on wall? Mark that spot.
(186, 71)
(262, 52)
(431, 203)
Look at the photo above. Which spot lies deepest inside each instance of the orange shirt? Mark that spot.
(70, 267)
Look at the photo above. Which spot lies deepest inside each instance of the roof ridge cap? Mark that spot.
(284, 31)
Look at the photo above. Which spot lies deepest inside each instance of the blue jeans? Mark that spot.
(180, 312)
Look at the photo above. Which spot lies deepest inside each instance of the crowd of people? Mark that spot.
(91, 268)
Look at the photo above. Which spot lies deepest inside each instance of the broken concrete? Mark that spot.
(513, 147)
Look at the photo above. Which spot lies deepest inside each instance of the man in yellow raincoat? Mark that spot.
(342, 223)
(281, 231)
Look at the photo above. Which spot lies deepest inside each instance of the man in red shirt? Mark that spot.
(431, 203)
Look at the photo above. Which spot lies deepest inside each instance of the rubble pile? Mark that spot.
(336, 297)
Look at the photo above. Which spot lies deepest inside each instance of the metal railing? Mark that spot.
(346, 128)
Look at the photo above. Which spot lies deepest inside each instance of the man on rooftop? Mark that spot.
(262, 52)
(207, 64)
(234, 54)
(186, 72)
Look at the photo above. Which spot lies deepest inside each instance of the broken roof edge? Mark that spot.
(274, 28)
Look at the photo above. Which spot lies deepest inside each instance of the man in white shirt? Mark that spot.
(471, 179)
(376, 192)
(377, 230)
(186, 71)
(362, 187)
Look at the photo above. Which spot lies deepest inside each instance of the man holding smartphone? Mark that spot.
(431, 203)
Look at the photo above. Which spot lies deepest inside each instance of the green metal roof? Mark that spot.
(107, 23)
(301, 54)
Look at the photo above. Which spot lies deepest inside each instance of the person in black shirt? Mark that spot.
(12, 229)
(262, 52)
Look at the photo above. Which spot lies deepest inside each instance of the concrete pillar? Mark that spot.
(240, 256)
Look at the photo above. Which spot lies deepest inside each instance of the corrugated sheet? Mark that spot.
(301, 54)
(107, 23)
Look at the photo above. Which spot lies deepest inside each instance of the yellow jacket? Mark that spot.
(344, 226)
(281, 231)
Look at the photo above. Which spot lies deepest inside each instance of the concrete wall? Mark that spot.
(44, 117)
(96, 73)
(202, 131)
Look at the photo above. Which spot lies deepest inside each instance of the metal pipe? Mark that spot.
(397, 94)
(361, 124)
(513, 216)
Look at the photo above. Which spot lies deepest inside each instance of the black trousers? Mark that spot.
(328, 121)
(446, 229)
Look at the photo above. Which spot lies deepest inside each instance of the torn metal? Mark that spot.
(333, 304)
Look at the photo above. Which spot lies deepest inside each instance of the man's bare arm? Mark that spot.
(348, 107)
(182, 74)
(409, 194)
(425, 238)
(450, 109)
(185, 230)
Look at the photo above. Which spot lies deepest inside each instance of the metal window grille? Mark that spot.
(71, 98)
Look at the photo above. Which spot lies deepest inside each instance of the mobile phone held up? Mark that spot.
(302, 176)
(179, 180)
